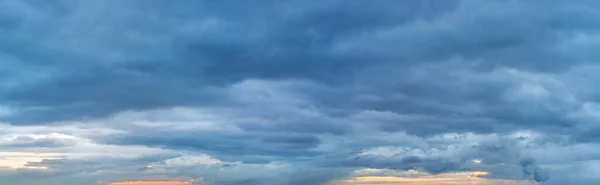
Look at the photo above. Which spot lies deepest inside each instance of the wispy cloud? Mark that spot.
(151, 183)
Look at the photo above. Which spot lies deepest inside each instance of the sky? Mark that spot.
(151, 183)
(299, 92)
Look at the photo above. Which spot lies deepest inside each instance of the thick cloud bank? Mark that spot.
(298, 92)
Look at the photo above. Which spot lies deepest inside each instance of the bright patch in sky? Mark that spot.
(21, 159)
(463, 178)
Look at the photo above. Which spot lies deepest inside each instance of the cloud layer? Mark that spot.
(298, 92)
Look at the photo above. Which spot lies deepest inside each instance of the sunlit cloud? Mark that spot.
(462, 178)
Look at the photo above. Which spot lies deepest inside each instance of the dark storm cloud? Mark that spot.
(149, 58)
(100, 57)
(152, 57)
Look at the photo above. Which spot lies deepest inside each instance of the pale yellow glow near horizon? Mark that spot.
(20, 159)
(463, 178)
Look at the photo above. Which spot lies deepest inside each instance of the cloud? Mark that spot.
(442, 179)
(297, 92)
(151, 183)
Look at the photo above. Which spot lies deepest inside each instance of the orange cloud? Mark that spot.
(151, 183)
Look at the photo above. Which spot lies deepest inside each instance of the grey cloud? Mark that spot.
(195, 62)
(531, 169)
(496, 155)
(91, 165)
(285, 75)
(30, 142)
(187, 60)
(292, 142)
(430, 98)
(228, 146)
(431, 165)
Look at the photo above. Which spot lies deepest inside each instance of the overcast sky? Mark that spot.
(299, 92)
